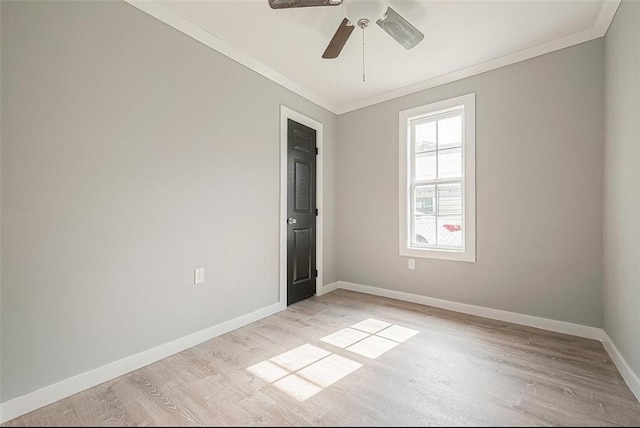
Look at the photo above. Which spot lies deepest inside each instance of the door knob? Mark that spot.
(292, 221)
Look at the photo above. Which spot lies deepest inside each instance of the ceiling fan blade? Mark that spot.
(285, 4)
(339, 39)
(400, 29)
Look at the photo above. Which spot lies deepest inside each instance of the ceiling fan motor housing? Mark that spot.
(360, 10)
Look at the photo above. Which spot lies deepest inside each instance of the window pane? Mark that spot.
(425, 137)
(424, 216)
(425, 202)
(449, 199)
(450, 231)
(450, 132)
(425, 230)
(450, 163)
(426, 166)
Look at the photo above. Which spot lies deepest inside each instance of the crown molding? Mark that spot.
(198, 33)
(599, 29)
(180, 23)
(607, 12)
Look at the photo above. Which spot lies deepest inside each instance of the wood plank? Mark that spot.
(458, 370)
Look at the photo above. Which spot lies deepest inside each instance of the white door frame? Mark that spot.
(287, 113)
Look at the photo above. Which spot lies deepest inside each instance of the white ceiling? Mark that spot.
(461, 38)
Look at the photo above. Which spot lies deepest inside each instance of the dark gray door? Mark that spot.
(301, 212)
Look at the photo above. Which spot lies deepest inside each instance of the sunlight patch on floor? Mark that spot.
(297, 387)
(397, 333)
(345, 337)
(372, 347)
(268, 371)
(300, 357)
(306, 370)
(371, 325)
(370, 338)
(329, 370)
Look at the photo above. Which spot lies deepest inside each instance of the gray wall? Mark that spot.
(0, 203)
(539, 143)
(131, 154)
(622, 183)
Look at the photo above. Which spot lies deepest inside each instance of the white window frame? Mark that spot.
(468, 181)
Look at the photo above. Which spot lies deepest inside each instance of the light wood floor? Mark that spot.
(458, 370)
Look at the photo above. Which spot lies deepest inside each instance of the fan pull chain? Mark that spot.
(363, 23)
(363, 70)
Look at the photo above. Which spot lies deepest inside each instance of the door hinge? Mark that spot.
(316, 212)
(316, 150)
(316, 273)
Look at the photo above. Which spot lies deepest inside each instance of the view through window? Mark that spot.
(437, 180)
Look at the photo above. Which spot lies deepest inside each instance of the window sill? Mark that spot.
(428, 253)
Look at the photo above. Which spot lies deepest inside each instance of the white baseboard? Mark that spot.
(34, 400)
(632, 379)
(496, 314)
(328, 288)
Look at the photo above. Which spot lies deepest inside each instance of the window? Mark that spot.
(437, 180)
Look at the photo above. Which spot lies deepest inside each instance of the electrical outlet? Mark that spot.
(198, 277)
(412, 264)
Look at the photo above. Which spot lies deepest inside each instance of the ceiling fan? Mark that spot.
(360, 13)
